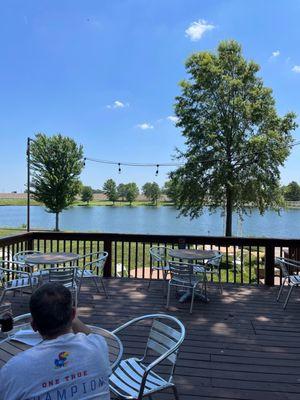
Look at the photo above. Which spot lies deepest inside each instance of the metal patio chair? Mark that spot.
(14, 278)
(290, 273)
(135, 378)
(159, 255)
(212, 267)
(93, 270)
(21, 256)
(65, 276)
(187, 276)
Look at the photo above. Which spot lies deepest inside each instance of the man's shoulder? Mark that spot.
(23, 360)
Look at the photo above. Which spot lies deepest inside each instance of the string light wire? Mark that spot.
(157, 165)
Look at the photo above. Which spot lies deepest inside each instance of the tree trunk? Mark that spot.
(228, 230)
(56, 221)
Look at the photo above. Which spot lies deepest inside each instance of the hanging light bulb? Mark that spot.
(119, 170)
(156, 172)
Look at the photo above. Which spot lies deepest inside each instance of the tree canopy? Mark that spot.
(122, 191)
(132, 191)
(235, 142)
(292, 191)
(110, 190)
(152, 191)
(56, 164)
(87, 194)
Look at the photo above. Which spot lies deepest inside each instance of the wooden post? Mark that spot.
(269, 265)
(107, 246)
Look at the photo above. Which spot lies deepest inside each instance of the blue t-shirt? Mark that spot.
(72, 366)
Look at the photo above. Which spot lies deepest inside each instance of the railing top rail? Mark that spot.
(20, 237)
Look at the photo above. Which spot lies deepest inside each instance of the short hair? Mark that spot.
(51, 308)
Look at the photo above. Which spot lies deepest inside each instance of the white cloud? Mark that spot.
(276, 53)
(117, 104)
(173, 119)
(197, 29)
(296, 68)
(145, 125)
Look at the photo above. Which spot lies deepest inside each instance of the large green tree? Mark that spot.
(152, 191)
(292, 191)
(56, 164)
(87, 194)
(110, 190)
(235, 142)
(132, 192)
(122, 191)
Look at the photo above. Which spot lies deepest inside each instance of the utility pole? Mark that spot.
(28, 184)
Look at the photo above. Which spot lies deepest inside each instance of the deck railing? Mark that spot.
(245, 260)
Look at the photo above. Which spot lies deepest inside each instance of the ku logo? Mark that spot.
(61, 361)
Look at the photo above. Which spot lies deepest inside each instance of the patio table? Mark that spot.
(192, 255)
(10, 347)
(51, 258)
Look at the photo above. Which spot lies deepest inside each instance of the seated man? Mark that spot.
(70, 363)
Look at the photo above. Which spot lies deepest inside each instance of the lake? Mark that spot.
(156, 220)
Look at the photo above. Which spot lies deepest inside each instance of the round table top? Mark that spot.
(192, 254)
(51, 258)
(10, 347)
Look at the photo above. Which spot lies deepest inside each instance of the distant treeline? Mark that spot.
(128, 192)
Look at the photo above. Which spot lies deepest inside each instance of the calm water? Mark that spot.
(161, 220)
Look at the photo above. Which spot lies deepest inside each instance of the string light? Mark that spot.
(166, 164)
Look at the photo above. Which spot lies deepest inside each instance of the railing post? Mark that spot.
(269, 265)
(30, 244)
(181, 243)
(107, 246)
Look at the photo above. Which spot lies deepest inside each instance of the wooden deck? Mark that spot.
(241, 345)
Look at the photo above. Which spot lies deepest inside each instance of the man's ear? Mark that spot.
(33, 325)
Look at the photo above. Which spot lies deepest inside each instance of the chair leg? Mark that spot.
(220, 282)
(168, 296)
(104, 288)
(192, 300)
(288, 297)
(175, 392)
(96, 284)
(151, 272)
(281, 289)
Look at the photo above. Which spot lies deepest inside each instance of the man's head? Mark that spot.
(51, 310)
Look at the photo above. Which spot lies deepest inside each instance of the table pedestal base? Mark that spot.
(185, 296)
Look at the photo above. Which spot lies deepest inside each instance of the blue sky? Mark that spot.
(106, 73)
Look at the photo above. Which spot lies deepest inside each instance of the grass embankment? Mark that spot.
(23, 202)
(11, 231)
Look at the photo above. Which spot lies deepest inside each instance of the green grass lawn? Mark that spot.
(23, 202)
(10, 231)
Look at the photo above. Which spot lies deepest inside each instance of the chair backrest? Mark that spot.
(287, 266)
(159, 253)
(181, 270)
(215, 261)
(21, 255)
(164, 338)
(97, 260)
(10, 269)
(63, 275)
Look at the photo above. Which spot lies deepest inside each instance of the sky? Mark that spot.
(106, 73)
